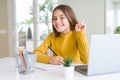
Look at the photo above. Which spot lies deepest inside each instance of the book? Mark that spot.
(47, 67)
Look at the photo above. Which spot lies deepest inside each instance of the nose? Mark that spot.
(58, 20)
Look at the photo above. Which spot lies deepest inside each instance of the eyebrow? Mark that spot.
(59, 16)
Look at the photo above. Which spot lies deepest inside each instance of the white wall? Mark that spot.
(117, 15)
(110, 17)
(94, 13)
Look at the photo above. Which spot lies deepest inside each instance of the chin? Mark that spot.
(59, 30)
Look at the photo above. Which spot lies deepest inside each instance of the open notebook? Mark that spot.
(46, 67)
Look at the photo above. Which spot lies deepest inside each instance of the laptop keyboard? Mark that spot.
(81, 68)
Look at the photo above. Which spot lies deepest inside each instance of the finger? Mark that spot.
(58, 60)
(61, 61)
(82, 21)
(60, 57)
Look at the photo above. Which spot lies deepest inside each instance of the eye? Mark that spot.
(62, 17)
(54, 18)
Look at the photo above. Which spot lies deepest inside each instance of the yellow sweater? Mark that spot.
(73, 44)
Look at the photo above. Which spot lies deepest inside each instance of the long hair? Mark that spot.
(70, 15)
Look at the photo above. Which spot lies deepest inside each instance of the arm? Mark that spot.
(56, 60)
(40, 51)
(44, 55)
(83, 46)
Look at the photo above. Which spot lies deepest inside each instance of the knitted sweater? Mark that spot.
(73, 44)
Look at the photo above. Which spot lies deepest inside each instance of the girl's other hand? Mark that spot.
(80, 26)
(49, 52)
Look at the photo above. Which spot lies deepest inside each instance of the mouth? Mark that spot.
(59, 27)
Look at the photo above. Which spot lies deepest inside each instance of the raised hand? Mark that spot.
(80, 26)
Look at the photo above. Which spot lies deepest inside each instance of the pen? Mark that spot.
(52, 50)
(22, 59)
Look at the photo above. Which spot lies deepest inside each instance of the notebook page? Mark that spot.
(47, 67)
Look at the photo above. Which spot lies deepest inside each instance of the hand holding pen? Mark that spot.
(57, 60)
(50, 52)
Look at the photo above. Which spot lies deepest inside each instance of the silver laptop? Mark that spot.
(104, 55)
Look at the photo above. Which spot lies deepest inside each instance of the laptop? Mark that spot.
(104, 55)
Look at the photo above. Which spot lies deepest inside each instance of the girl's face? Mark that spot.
(60, 22)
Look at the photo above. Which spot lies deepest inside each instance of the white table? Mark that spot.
(8, 71)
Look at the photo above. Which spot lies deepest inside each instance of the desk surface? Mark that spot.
(8, 71)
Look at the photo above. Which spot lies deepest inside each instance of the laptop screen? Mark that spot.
(104, 54)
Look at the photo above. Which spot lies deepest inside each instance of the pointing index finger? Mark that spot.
(82, 21)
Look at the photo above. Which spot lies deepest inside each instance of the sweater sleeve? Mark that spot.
(40, 51)
(83, 46)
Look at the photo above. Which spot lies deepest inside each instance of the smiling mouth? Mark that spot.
(59, 26)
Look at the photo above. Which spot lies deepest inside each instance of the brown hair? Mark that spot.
(70, 15)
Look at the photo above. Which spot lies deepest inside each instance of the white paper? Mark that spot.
(46, 67)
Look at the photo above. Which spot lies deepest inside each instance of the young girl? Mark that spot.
(68, 39)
